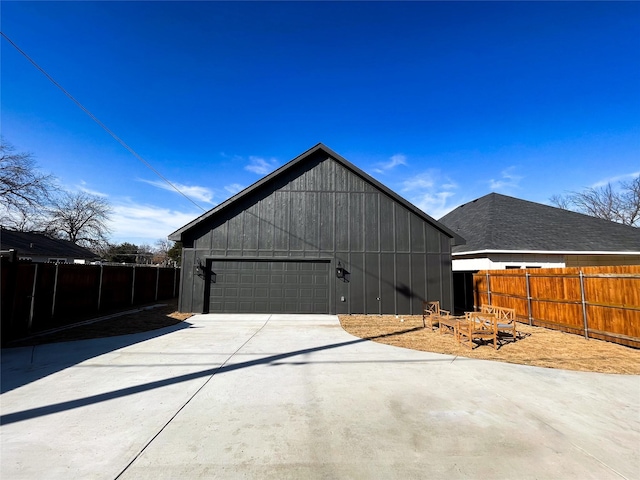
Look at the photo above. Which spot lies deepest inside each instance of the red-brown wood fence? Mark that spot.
(40, 296)
(597, 302)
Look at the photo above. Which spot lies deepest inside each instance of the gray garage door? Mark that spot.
(269, 287)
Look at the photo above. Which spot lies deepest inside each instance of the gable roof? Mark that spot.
(272, 177)
(35, 244)
(499, 223)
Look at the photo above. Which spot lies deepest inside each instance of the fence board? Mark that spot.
(116, 287)
(611, 295)
(145, 288)
(76, 293)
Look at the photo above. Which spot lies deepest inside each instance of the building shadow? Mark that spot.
(273, 360)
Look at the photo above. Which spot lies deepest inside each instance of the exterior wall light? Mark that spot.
(199, 267)
(339, 271)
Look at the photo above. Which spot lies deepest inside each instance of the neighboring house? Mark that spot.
(506, 232)
(503, 232)
(39, 248)
(318, 235)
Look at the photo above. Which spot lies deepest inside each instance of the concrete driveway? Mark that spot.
(292, 396)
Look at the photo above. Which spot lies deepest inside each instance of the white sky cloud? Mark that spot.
(508, 180)
(617, 178)
(422, 181)
(233, 188)
(195, 192)
(431, 192)
(435, 204)
(261, 166)
(84, 188)
(140, 223)
(394, 161)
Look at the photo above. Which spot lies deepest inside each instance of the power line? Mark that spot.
(95, 119)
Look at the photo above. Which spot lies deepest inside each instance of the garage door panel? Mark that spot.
(270, 286)
(261, 292)
(217, 292)
(261, 306)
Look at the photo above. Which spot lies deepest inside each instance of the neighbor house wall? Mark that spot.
(321, 209)
(501, 261)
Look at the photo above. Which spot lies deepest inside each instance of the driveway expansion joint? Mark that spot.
(124, 470)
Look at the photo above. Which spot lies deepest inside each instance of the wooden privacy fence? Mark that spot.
(597, 302)
(40, 296)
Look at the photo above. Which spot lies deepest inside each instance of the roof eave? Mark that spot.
(546, 252)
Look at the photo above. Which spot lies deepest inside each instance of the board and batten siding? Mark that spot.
(321, 209)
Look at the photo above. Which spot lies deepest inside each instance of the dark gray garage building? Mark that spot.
(318, 235)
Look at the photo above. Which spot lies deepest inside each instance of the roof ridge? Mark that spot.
(177, 235)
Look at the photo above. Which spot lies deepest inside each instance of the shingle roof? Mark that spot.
(501, 223)
(271, 178)
(40, 245)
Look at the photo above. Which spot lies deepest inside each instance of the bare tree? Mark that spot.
(24, 191)
(631, 201)
(161, 251)
(560, 201)
(80, 218)
(620, 205)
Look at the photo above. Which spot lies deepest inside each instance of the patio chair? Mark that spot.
(506, 320)
(431, 311)
(477, 326)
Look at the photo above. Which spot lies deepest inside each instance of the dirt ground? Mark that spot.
(151, 317)
(536, 346)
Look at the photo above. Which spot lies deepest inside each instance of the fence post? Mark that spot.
(100, 287)
(489, 288)
(529, 298)
(157, 280)
(584, 306)
(33, 299)
(55, 291)
(133, 284)
(12, 291)
(175, 271)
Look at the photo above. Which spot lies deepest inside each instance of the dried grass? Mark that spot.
(537, 346)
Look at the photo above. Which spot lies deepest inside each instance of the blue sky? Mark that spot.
(441, 102)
